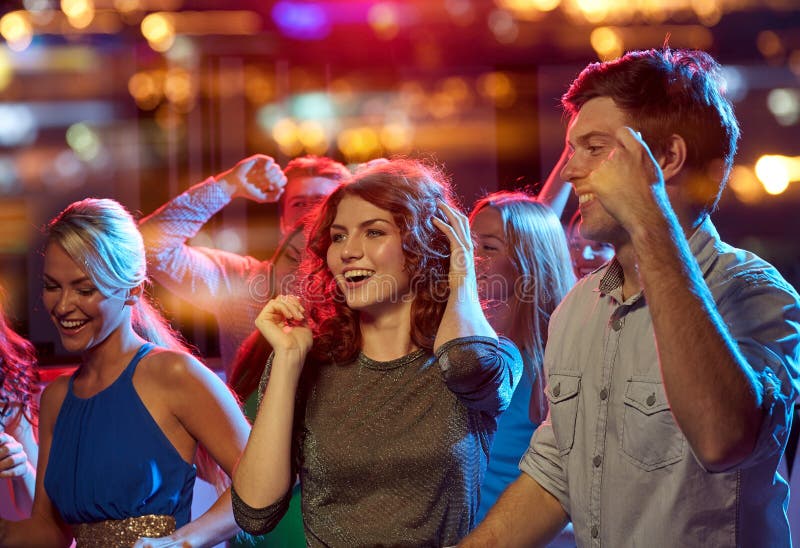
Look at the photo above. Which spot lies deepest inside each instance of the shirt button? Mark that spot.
(651, 400)
(597, 460)
(595, 531)
(616, 325)
(557, 390)
(603, 394)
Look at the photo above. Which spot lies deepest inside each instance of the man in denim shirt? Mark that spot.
(672, 370)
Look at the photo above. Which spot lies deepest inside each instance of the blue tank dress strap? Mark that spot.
(112, 471)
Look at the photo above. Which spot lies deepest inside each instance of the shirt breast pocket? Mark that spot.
(650, 437)
(562, 393)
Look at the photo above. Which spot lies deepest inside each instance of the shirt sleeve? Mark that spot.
(207, 278)
(763, 316)
(543, 463)
(481, 371)
(258, 521)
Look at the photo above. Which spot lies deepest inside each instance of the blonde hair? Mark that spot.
(537, 247)
(102, 236)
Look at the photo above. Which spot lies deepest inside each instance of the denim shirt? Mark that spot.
(610, 450)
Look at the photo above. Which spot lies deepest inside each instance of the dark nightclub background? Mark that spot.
(139, 99)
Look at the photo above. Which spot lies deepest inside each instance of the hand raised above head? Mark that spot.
(258, 178)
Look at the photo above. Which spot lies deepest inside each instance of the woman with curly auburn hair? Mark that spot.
(386, 380)
(19, 413)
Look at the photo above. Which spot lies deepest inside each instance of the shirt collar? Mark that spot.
(702, 245)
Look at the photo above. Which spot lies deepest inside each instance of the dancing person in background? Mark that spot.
(524, 270)
(118, 437)
(386, 381)
(233, 288)
(19, 413)
(671, 371)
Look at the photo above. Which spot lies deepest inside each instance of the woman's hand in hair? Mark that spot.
(462, 260)
(282, 322)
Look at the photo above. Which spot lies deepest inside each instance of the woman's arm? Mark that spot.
(45, 527)
(555, 191)
(210, 414)
(19, 454)
(264, 476)
(463, 315)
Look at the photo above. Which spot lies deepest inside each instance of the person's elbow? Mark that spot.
(726, 448)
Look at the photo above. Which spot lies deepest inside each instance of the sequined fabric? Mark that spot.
(393, 453)
(122, 533)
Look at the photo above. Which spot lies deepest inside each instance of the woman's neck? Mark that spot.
(387, 336)
(106, 359)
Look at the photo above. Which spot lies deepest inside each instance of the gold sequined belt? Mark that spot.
(122, 533)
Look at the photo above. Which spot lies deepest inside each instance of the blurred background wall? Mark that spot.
(138, 99)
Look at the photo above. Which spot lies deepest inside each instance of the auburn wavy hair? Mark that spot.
(411, 191)
(19, 379)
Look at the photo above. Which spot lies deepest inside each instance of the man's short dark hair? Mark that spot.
(667, 92)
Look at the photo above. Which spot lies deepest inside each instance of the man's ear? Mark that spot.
(673, 159)
(134, 294)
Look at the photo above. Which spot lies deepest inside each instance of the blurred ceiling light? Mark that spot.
(16, 28)
(145, 90)
(80, 13)
(794, 62)
(396, 137)
(359, 144)
(209, 22)
(259, 87)
(313, 137)
(607, 43)
(312, 106)
(18, 125)
(127, 6)
(776, 172)
(769, 44)
(384, 20)
(784, 104)
(301, 20)
(529, 10)
(178, 86)
(461, 11)
(458, 89)
(159, 30)
(37, 5)
(745, 184)
(6, 69)
(594, 11)
(708, 12)
(503, 26)
(441, 105)
(83, 141)
(498, 87)
(183, 52)
(285, 132)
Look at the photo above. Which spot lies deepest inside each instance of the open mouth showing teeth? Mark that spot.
(72, 324)
(583, 198)
(357, 275)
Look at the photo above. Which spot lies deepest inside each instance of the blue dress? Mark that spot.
(110, 460)
(513, 435)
